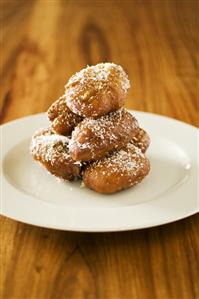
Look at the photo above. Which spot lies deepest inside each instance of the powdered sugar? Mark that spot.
(108, 122)
(100, 75)
(51, 148)
(127, 160)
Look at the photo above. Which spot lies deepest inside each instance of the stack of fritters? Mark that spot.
(91, 136)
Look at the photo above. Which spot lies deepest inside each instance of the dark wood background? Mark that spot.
(45, 42)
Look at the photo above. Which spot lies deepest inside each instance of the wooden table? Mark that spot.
(45, 42)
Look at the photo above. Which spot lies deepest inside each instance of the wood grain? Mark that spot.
(45, 42)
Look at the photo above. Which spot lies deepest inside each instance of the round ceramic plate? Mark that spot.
(168, 193)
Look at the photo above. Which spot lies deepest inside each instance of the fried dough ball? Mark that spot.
(97, 90)
(121, 170)
(92, 139)
(51, 150)
(141, 140)
(62, 118)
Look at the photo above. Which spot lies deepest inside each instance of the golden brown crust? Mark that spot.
(92, 139)
(141, 140)
(121, 170)
(51, 150)
(62, 118)
(97, 90)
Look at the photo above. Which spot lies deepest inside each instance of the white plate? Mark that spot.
(168, 193)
